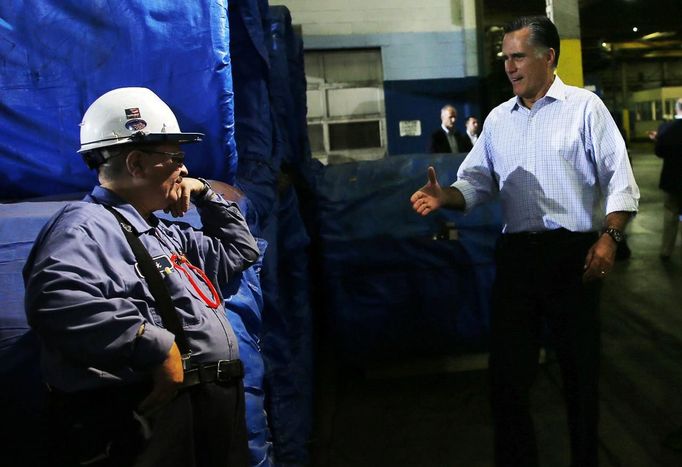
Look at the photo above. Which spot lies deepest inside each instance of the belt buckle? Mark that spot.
(229, 370)
(219, 369)
(223, 371)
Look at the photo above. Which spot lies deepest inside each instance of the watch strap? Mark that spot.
(615, 234)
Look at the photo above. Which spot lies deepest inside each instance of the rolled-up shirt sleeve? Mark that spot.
(475, 178)
(616, 179)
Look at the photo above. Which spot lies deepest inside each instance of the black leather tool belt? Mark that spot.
(223, 371)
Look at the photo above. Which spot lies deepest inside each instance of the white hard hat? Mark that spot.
(128, 115)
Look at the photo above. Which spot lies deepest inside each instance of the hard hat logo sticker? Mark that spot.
(132, 113)
(136, 125)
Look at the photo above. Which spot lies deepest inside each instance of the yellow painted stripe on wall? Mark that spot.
(570, 67)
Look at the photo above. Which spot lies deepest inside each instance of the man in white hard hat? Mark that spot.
(142, 364)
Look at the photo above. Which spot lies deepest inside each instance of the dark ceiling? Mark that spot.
(607, 27)
(608, 30)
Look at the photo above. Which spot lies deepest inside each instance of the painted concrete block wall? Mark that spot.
(419, 39)
(374, 16)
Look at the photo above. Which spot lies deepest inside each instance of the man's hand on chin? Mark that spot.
(183, 192)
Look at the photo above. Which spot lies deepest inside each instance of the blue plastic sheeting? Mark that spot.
(294, 297)
(22, 395)
(395, 285)
(249, 45)
(287, 333)
(287, 321)
(179, 50)
(244, 310)
(271, 129)
(289, 89)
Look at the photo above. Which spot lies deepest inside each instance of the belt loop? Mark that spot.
(203, 373)
(185, 360)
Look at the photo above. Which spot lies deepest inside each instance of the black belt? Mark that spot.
(223, 371)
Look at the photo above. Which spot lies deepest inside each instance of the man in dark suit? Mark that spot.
(669, 147)
(446, 139)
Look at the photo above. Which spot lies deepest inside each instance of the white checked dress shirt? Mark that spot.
(562, 163)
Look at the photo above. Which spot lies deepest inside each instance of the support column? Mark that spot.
(472, 28)
(565, 15)
(624, 101)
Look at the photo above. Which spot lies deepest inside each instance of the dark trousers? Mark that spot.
(539, 287)
(204, 426)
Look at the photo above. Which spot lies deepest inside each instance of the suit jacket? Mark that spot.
(669, 148)
(439, 142)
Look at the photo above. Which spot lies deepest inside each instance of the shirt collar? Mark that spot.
(105, 196)
(446, 130)
(556, 91)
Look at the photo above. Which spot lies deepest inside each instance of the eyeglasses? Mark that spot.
(177, 157)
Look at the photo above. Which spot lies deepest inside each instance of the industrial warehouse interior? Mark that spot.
(435, 412)
(364, 329)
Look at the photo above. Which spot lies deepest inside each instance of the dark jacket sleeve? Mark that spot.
(463, 142)
(438, 143)
(669, 148)
(669, 140)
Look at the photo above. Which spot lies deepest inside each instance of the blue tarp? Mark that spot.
(397, 284)
(270, 123)
(249, 45)
(22, 396)
(58, 56)
(287, 322)
(287, 333)
(289, 90)
(244, 311)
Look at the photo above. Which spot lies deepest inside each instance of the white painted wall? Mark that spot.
(419, 39)
(331, 17)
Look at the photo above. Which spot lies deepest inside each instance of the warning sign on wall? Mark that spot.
(410, 128)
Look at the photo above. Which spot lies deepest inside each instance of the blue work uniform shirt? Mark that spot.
(87, 301)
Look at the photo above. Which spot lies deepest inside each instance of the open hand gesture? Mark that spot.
(429, 197)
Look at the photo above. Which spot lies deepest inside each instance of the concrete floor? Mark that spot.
(396, 417)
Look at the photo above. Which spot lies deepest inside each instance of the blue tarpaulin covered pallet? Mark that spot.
(287, 323)
(271, 134)
(58, 56)
(254, 124)
(397, 284)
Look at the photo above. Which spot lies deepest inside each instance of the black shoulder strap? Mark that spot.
(157, 287)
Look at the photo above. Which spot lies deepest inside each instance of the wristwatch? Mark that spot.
(617, 235)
